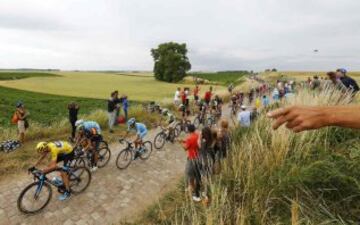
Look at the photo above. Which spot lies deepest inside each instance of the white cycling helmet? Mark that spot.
(131, 121)
(79, 123)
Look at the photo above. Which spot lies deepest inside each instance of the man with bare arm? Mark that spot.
(300, 118)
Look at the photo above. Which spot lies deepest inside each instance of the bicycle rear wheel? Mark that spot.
(159, 140)
(124, 159)
(34, 197)
(79, 179)
(146, 151)
(104, 157)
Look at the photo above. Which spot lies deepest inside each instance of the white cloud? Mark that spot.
(113, 34)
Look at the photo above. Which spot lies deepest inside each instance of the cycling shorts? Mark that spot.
(66, 158)
(142, 134)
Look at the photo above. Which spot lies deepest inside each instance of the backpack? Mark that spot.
(14, 118)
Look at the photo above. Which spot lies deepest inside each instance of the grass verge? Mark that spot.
(278, 177)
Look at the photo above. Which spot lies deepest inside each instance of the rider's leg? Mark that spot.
(65, 178)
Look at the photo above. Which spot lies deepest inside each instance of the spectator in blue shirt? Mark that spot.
(265, 101)
(125, 105)
(244, 117)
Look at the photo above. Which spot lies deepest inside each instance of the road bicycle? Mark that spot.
(166, 134)
(182, 126)
(85, 158)
(37, 195)
(129, 153)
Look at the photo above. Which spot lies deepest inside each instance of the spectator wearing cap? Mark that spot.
(348, 82)
(21, 117)
(244, 117)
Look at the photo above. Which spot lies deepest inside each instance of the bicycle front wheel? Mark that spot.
(146, 151)
(79, 179)
(124, 159)
(104, 157)
(159, 140)
(34, 197)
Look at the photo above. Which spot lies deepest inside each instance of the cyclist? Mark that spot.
(60, 151)
(141, 132)
(218, 105)
(90, 133)
(170, 119)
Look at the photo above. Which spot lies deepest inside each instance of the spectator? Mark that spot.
(196, 93)
(73, 117)
(265, 101)
(125, 105)
(223, 139)
(315, 84)
(300, 118)
(117, 100)
(244, 117)
(192, 170)
(334, 80)
(207, 157)
(177, 96)
(348, 82)
(112, 109)
(21, 115)
(276, 94)
(257, 103)
(208, 96)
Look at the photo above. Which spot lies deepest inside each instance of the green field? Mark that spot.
(223, 78)
(44, 108)
(99, 86)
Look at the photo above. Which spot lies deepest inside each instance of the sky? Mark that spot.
(220, 34)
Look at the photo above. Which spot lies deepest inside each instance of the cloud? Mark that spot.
(232, 34)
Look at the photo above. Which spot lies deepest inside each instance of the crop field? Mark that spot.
(223, 78)
(43, 108)
(99, 86)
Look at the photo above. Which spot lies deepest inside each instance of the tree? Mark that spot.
(274, 70)
(170, 62)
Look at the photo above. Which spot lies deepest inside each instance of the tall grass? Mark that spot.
(278, 177)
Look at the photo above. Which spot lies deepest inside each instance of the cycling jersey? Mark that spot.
(92, 128)
(58, 148)
(141, 129)
(170, 118)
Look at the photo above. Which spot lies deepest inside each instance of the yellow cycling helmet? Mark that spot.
(41, 146)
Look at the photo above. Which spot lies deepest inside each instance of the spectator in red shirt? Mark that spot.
(208, 96)
(192, 170)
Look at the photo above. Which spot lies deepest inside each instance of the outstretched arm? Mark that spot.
(300, 118)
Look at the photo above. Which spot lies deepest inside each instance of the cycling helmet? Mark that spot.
(131, 122)
(164, 112)
(19, 104)
(41, 146)
(79, 123)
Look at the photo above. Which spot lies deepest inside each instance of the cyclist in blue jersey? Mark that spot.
(140, 129)
(89, 132)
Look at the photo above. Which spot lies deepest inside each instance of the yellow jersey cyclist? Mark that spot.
(89, 133)
(141, 132)
(60, 151)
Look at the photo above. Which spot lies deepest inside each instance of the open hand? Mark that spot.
(299, 118)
